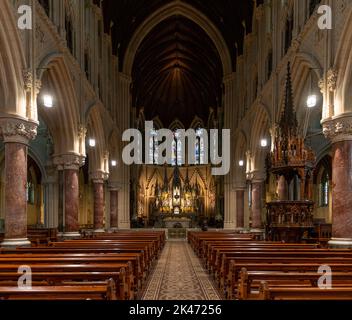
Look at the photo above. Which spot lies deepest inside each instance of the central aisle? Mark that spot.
(179, 275)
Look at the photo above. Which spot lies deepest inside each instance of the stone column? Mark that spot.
(113, 208)
(240, 208)
(69, 165)
(98, 190)
(230, 115)
(257, 204)
(71, 202)
(51, 198)
(124, 106)
(340, 133)
(282, 188)
(16, 134)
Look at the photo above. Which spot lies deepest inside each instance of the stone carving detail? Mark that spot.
(27, 80)
(332, 79)
(39, 34)
(15, 130)
(98, 176)
(321, 85)
(69, 161)
(338, 129)
(82, 131)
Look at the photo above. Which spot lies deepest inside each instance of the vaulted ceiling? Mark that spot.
(177, 72)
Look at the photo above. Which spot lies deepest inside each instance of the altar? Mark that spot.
(176, 222)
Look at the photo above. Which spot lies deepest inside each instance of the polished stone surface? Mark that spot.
(71, 200)
(98, 205)
(342, 190)
(15, 195)
(282, 188)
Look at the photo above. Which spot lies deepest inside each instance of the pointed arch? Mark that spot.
(177, 7)
(12, 64)
(62, 120)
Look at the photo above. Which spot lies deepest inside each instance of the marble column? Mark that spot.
(282, 188)
(98, 190)
(340, 133)
(240, 208)
(257, 205)
(113, 208)
(342, 194)
(68, 165)
(71, 202)
(16, 134)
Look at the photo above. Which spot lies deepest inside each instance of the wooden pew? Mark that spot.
(250, 280)
(236, 267)
(74, 292)
(68, 278)
(136, 272)
(63, 268)
(290, 293)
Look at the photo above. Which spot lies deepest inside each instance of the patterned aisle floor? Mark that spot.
(179, 275)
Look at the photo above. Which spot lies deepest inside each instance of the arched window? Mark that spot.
(200, 146)
(31, 185)
(177, 159)
(153, 147)
(324, 190)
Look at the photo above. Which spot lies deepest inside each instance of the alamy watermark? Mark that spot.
(24, 22)
(25, 280)
(165, 152)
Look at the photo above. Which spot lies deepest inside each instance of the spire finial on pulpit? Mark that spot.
(288, 122)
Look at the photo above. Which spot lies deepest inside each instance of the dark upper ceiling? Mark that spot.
(227, 15)
(177, 73)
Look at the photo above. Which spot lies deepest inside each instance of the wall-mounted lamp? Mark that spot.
(312, 101)
(113, 163)
(264, 143)
(241, 163)
(92, 142)
(48, 101)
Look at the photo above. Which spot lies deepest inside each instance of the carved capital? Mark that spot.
(27, 80)
(82, 131)
(69, 161)
(114, 186)
(17, 130)
(338, 129)
(98, 176)
(331, 77)
(258, 176)
(321, 85)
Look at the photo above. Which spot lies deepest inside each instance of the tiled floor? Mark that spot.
(179, 275)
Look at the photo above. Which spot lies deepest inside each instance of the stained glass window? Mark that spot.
(324, 187)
